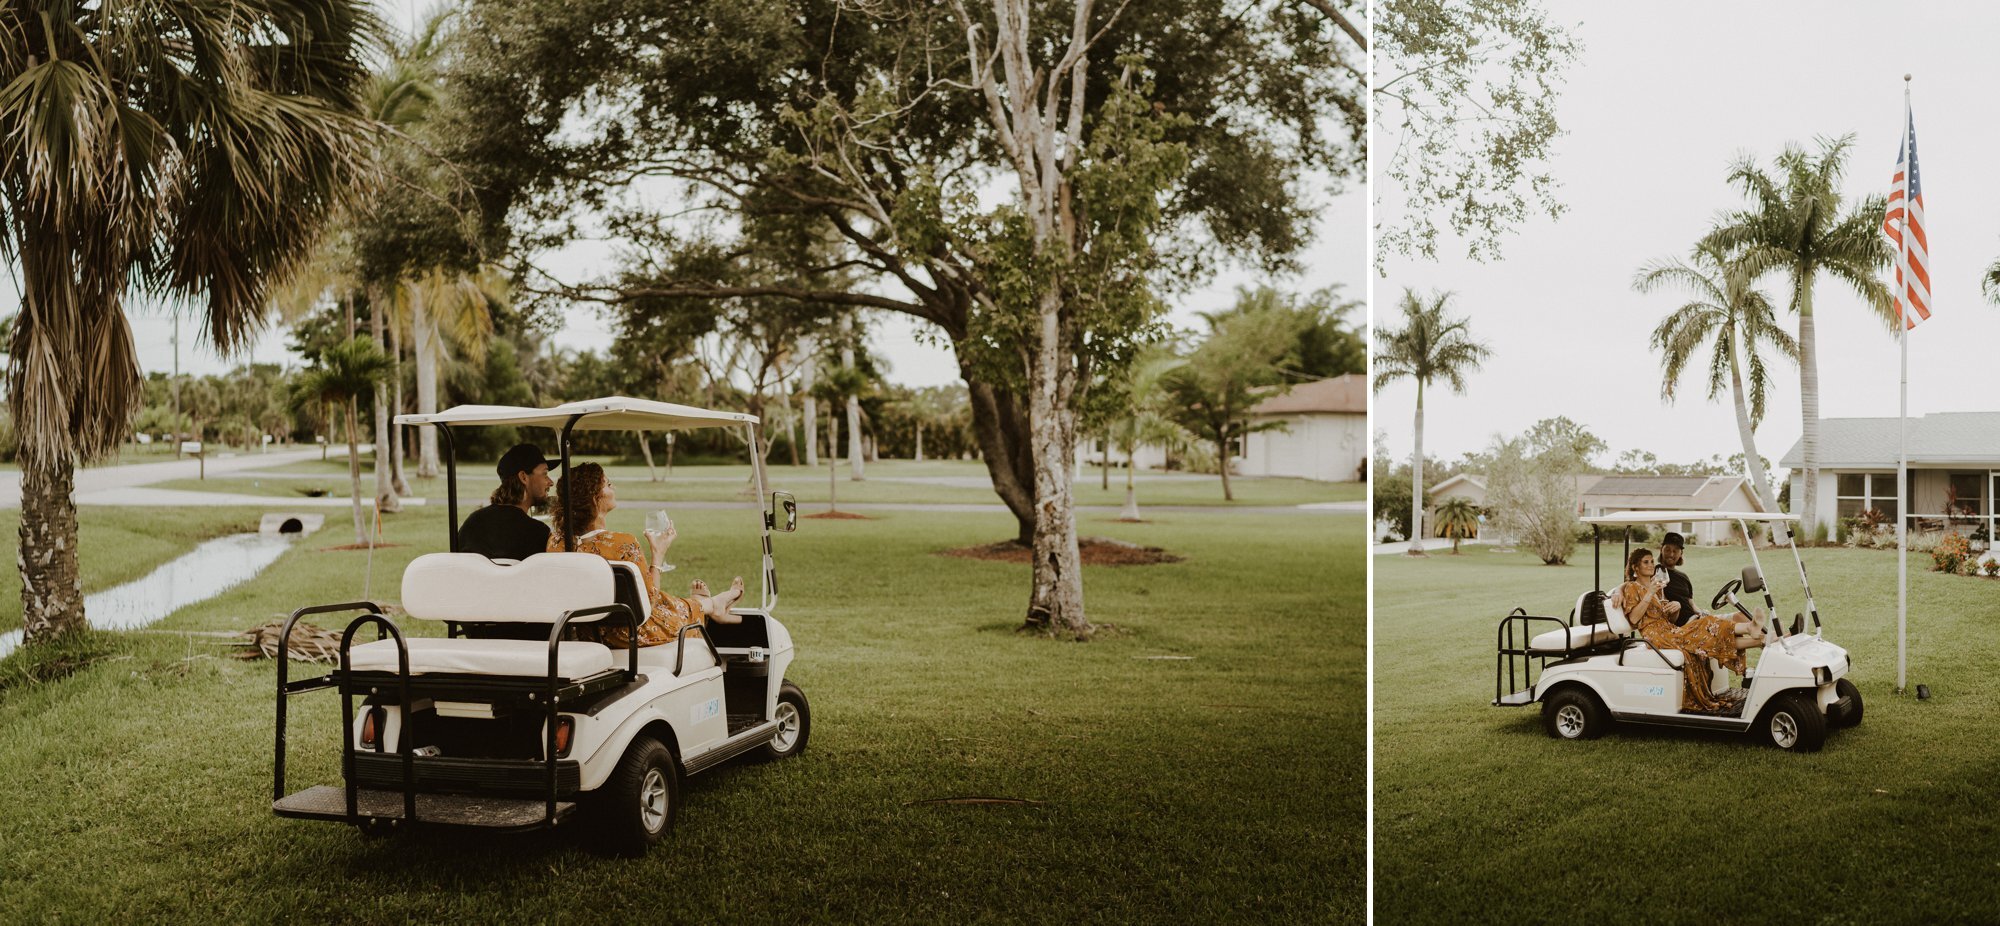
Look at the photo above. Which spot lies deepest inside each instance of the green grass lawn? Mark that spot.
(726, 483)
(1480, 815)
(119, 545)
(1226, 786)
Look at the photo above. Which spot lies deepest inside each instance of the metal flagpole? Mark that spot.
(1903, 414)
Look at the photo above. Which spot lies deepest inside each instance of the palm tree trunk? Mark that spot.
(809, 413)
(385, 483)
(1809, 412)
(791, 425)
(1131, 512)
(1417, 480)
(354, 470)
(1104, 463)
(51, 586)
(920, 440)
(426, 337)
(832, 459)
(397, 451)
(1748, 435)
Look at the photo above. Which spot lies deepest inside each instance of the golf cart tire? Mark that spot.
(628, 811)
(1574, 714)
(1794, 723)
(794, 718)
(1851, 717)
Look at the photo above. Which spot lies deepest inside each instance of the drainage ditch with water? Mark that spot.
(211, 568)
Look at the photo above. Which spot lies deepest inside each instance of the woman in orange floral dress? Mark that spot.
(583, 498)
(1703, 637)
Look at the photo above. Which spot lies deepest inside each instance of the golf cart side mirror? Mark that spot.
(1753, 581)
(783, 501)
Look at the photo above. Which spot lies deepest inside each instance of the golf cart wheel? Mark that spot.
(637, 804)
(1794, 723)
(794, 719)
(1852, 716)
(1573, 714)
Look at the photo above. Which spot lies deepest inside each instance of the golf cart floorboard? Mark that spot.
(328, 802)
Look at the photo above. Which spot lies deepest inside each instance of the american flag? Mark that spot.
(1906, 199)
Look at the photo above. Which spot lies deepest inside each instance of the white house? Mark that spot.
(1954, 470)
(1609, 494)
(1325, 435)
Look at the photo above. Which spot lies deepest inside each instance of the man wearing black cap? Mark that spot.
(1680, 588)
(503, 529)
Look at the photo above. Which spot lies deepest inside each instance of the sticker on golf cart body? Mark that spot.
(704, 710)
(1646, 691)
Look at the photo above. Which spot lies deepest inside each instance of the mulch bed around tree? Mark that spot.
(1094, 551)
(838, 516)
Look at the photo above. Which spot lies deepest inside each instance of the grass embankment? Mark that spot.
(898, 481)
(1480, 815)
(1225, 786)
(119, 545)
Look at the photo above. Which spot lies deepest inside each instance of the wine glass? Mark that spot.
(658, 521)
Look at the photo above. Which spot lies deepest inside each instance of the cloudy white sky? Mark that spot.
(1663, 97)
(1338, 256)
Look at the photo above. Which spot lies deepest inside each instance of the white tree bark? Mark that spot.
(1747, 434)
(854, 453)
(1417, 481)
(1808, 507)
(424, 332)
(385, 459)
(810, 413)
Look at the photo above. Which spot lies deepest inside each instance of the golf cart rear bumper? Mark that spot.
(326, 802)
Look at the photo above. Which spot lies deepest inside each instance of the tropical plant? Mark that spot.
(1146, 420)
(1457, 518)
(1798, 224)
(1431, 346)
(183, 152)
(345, 374)
(1228, 373)
(1730, 315)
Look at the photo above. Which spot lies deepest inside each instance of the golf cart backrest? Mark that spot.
(469, 588)
(1753, 581)
(1615, 616)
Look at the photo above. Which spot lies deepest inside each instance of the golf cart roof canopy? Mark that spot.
(1677, 517)
(611, 413)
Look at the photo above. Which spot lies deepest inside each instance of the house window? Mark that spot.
(1238, 447)
(1965, 493)
(1858, 492)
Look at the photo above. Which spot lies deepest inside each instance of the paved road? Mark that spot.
(110, 485)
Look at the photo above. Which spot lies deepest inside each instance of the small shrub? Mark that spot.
(1951, 555)
(1992, 567)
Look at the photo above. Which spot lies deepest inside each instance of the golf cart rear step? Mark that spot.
(327, 802)
(1520, 698)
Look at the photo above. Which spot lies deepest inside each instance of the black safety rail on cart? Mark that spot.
(407, 773)
(1515, 667)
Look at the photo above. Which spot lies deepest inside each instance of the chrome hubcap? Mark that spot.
(788, 727)
(1784, 729)
(1569, 721)
(653, 800)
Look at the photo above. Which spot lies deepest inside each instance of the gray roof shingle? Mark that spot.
(1936, 438)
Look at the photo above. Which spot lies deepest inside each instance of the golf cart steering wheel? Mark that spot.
(1726, 596)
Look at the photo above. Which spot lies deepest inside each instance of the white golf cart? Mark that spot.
(509, 721)
(1592, 669)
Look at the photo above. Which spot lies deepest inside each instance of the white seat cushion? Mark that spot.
(530, 658)
(1645, 656)
(1579, 637)
(470, 587)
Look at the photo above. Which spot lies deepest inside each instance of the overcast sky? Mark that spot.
(1663, 97)
(1339, 255)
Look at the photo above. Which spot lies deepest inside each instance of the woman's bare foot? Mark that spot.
(729, 598)
(698, 588)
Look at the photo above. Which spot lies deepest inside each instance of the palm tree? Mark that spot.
(184, 152)
(1796, 225)
(1731, 315)
(346, 372)
(1146, 421)
(1430, 346)
(1458, 518)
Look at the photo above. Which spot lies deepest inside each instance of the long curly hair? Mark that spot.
(576, 497)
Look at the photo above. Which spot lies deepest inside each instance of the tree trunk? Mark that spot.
(646, 450)
(920, 441)
(1000, 426)
(1104, 462)
(1056, 602)
(791, 426)
(1222, 455)
(385, 462)
(426, 346)
(51, 585)
(354, 470)
(810, 411)
(1131, 512)
(398, 452)
(1747, 434)
(1417, 480)
(832, 459)
(853, 402)
(1809, 411)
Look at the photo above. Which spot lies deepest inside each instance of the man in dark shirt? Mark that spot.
(1680, 588)
(504, 529)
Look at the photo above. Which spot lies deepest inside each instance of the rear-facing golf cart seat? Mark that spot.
(467, 588)
(1585, 634)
